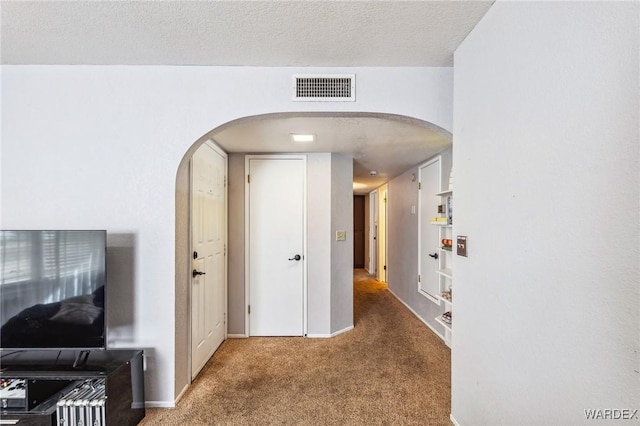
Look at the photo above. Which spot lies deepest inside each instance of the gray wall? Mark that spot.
(546, 180)
(235, 250)
(367, 231)
(318, 244)
(402, 243)
(341, 251)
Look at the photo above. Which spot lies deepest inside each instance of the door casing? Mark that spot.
(247, 289)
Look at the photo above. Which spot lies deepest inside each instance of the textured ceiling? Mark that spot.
(254, 33)
(260, 33)
(385, 143)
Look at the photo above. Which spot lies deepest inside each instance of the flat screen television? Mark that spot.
(52, 289)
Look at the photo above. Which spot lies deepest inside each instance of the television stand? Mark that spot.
(35, 381)
(81, 359)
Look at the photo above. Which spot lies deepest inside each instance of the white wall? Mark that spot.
(402, 240)
(99, 147)
(341, 251)
(546, 306)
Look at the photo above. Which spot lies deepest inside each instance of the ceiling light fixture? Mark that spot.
(373, 173)
(303, 137)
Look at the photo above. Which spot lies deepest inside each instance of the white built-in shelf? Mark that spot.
(445, 272)
(443, 224)
(444, 324)
(450, 302)
(443, 193)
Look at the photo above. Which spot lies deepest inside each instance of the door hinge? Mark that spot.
(225, 249)
(249, 309)
(385, 267)
(225, 181)
(419, 185)
(385, 200)
(418, 278)
(248, 178)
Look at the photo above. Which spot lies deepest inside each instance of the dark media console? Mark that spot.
(34, 385)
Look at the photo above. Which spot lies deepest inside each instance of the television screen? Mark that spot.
(52, 289)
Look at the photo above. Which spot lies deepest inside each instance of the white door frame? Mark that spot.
(373, 232)
(219, 150)
(247, 254)
(424, 221)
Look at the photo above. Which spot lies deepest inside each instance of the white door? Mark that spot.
(208, 241)
(373, 244)
(276, 242)
(382, 233)
(428, 264)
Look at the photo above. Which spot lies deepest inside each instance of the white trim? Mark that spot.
(344, 330)
(453, 420)
(160, 404)
(181, 394)
(237, 336)
(422, 216)
(247, 257)
(416, 314)
(373, 232)
(328, 336)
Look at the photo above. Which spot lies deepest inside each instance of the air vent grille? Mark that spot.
(324, 87)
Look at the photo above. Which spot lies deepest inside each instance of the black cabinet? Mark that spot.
(47, 376)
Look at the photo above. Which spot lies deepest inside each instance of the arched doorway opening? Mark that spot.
(385, 143)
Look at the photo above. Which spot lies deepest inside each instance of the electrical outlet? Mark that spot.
(341, 235)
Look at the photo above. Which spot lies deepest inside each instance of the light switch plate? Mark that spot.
(341, 235)
(462, 245)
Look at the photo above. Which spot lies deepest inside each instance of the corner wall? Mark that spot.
(546, 182)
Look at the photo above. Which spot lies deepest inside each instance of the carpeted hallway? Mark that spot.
(390, 369)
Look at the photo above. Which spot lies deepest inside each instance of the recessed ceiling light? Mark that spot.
(303, 137)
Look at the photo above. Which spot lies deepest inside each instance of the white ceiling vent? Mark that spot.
(324, 87)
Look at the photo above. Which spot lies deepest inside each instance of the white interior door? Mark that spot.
(276, 245)
(373, 243)
(382, 233)
(428, 207)
(208, 241)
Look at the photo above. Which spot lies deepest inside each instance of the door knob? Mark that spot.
(434, 255)
(296, 257)
(195, 273)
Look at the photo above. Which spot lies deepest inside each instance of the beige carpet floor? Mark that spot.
(389, 370)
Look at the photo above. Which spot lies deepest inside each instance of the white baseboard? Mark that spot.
(416, 314)
(344, 330)
(181, 394)
(160, 404)
(237, 336)
(453, 420)
(328, 336)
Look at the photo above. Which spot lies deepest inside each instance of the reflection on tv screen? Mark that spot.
(52, 291)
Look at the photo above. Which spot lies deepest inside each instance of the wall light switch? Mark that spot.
(341, 235)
